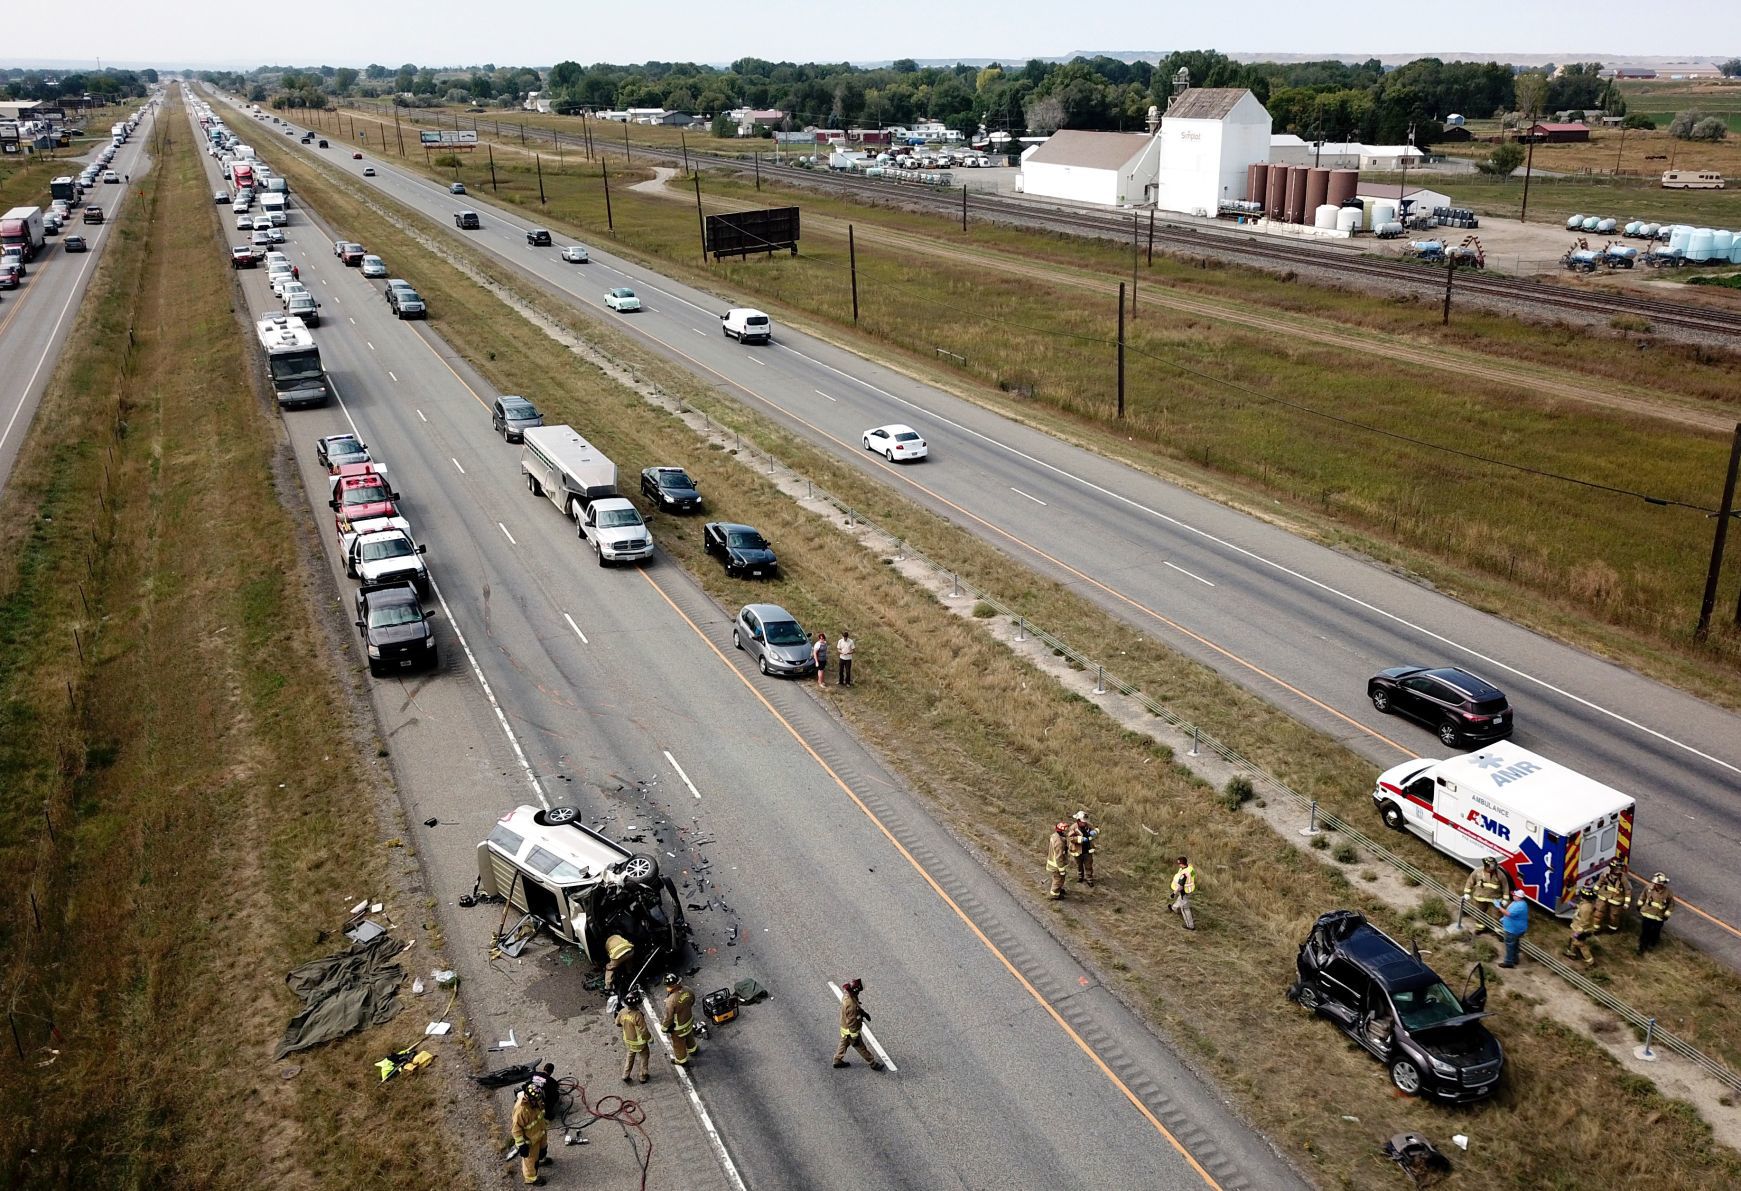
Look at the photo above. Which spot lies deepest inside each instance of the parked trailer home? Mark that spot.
(1551, 829)
(558, 463)
(1692, 180)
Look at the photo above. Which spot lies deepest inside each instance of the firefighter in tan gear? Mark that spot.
(1486, 885)
(679, 1020)
(1585, 922)
(1184, 885)
(636, 1039)
(618, 952)
(852, 1019)
(531, 1132)
(1613, 895)
(1057, 848)
(1655, 905)
(1082, 837)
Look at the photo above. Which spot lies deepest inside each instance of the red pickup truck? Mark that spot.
(362, 498)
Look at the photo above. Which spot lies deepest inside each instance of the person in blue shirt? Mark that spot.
(1513, 922)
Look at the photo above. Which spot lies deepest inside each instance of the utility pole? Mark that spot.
(605, 169)
(1133, 255)
(1402, 190)
(852, 259)
(538, 162)
(1121, 351)
(492, 151)
(684, 136)
(1450, 275)
(628, 154)
(396, 132)
(757, 158)
(1151, 237)
(1620, 151)
(700, 219)
(964, 206)
(1723, 515)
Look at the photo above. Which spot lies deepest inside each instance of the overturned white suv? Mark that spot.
(582, 886)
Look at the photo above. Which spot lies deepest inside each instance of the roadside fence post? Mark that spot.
(954, 584)
(1021, 628)
(1100, 680)
(1645, 1052)
(1312, 827)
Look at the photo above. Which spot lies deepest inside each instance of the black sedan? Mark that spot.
(670, 488)
(1461, 708)
(743, 551)
(337, 450)
(74, 244)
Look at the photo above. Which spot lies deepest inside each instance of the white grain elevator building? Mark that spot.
(1208, 137)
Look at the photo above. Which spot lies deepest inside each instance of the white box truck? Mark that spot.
(558, 463)
(1549, 827)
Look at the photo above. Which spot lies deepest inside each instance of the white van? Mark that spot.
(1550, 828)
(746, 325)
(558, 463)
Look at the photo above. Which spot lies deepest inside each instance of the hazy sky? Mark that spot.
(541, 32)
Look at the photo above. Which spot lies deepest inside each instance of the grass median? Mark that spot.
(1002, 752)
(1608, 571)
(184, 811)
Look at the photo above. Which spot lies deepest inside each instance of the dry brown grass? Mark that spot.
(1001, 750)
(207, 828)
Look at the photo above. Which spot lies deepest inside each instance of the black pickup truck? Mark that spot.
(397, 633)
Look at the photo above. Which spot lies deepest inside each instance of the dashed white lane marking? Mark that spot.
(820, 393)
(1035, 499)
(1187, 574)
(571, 623)
(455, 462)
(420, 415)
(505, 532)
(680, 772)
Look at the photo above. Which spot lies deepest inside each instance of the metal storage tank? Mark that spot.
(1276, 200)
(1735, 252)
(1317, 187)
(1343, 184)
(1678, 237)
(1257, 182)
(1383, 212)
(1574, 223)
(1324, 215)
(1699, 244)
(1590, 222)
(1297, 194)
(1348, 219)
(1606, 226)
(1631, 228)
(1722, 243)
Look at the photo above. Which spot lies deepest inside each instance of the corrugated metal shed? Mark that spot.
(1205, 103)
(1092, 150)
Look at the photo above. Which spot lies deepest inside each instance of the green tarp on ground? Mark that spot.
(343, 992)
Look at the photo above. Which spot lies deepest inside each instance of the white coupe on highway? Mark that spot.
(896, 443)
(622, 300)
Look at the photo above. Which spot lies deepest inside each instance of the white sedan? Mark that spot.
(574, 254)
(622, 300)
(896, 442)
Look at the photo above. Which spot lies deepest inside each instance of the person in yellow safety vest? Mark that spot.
(852, 1019)
(1655, 905)
(1486, 885)
(531, 1132)
(1082, 837)
(1613, 895)
(618, 951)
(1585, 923)
(1056, 850)
(679, 1020)
(633, 1023)
(1184, 885)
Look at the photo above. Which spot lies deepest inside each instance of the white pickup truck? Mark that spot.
(616, 531)
(381, 551)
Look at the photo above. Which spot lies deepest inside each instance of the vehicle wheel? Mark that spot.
(736, 641)
(574, 513)
(601, 557)
(1307, 998)
(1393, 817)
(1406, 1076)
(558, 816)
(1381, 700)
(762, 665)
(532, 485)
(640, 870)
(889, 454)
(1449, 735)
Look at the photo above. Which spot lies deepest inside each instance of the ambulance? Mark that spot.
(1550, 828)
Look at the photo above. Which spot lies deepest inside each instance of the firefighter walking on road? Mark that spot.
(1584, 926)
(1057, 848)
(1486, 885)
(852, 1019)
(531, 1132)
(1613, 895)
(1082, 837)
(1184, 885)
(633, 1023)
(679, 1020)
(1655, 905)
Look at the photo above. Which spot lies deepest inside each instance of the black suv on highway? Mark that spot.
(1463, 709)
(1398, 1010)
(397, 633)
(537, 236)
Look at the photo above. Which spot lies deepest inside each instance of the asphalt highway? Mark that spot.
(1301, 624)
(36, 317)
(617, 690)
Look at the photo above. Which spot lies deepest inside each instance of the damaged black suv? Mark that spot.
(1393, 1005)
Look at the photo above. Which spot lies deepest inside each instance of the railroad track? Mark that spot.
(1411, 277)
